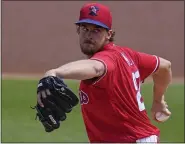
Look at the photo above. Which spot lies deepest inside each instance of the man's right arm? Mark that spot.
(160, 70)
(157, 67)
(161, 78)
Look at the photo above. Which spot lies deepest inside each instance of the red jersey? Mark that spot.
(112, 106)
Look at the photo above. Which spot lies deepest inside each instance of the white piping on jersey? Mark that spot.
(128, 60)
(105, 71)
(156, 64)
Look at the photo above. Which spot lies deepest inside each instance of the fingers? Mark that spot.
(48, 92)
(153, 115)
(160, 107)
(167, 112)
(42, 94)
(39, 100)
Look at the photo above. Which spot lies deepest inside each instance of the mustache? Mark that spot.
(89, 41)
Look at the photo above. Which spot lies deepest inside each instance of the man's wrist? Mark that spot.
(51, 72)
(158, 98)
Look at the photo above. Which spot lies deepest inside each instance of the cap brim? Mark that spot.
(92, 22)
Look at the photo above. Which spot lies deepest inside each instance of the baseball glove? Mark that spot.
(60, 101)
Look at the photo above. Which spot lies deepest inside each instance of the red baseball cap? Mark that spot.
(97, 14)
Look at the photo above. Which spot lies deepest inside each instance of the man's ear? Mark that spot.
(78, 29)
(110, 32)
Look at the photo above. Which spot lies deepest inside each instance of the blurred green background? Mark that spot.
(19, 124)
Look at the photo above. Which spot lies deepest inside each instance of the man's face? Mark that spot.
(92, 38)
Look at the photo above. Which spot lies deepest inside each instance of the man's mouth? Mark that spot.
(89, 42)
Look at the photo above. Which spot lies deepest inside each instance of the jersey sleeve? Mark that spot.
(107, 77)
(147, 64)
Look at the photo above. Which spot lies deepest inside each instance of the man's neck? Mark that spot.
(106, 43)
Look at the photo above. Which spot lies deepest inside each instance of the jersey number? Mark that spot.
(135, 76)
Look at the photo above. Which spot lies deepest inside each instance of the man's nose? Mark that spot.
(89, 34)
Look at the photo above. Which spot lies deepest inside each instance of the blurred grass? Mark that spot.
(19, 125)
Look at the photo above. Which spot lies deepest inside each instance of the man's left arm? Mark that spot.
(78, 70)
(54, 97)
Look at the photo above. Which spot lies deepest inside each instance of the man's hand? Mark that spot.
(54, 100)
(159, 106)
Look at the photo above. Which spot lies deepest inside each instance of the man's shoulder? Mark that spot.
(104, 54)
(126, 49)
(115, 53)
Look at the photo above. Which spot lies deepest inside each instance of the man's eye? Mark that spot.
(84, 29)
(96, 31)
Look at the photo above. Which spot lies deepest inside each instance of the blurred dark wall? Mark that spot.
(37, 36)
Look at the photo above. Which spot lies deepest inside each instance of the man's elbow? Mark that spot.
(99, 68)
(164, 66)
(99, 71)
(167, 65)
(164, 73)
